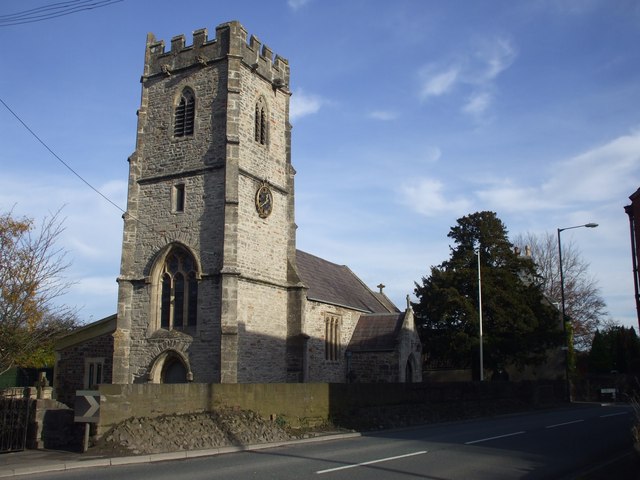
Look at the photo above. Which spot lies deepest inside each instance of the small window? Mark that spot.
(184, 115)
(332, 338)
(260, 123)
(178, 198)
(93, 372)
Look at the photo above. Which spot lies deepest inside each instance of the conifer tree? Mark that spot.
(519, 324)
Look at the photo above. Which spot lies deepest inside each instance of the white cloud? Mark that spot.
(494, 57)
(475, 74)
(303, 104)
(383, 115)
(435, 83)
(602, 174)
(297, 4)
(428, 197)
(478, 103)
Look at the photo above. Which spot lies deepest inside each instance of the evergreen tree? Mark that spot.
(615, 349)
(519, 325)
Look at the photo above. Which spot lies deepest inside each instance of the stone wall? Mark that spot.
(312, 403)
(321, 369)
(374, 367)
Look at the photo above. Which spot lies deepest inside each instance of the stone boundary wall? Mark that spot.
(302, 404)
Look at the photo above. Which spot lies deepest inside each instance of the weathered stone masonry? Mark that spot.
(243, 260)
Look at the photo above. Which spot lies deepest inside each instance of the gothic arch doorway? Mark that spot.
(408, 372)
(170, 367)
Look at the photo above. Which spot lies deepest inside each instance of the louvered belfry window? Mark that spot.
(260, 119)
(185, 113)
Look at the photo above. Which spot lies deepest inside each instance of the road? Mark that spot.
(553, 444)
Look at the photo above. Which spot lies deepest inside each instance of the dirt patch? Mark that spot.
(224, 427)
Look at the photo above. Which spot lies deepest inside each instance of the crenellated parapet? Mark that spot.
(230, 40)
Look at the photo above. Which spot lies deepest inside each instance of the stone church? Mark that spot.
(211, 285)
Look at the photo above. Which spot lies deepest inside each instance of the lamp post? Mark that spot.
(564, 323)
(480, 316)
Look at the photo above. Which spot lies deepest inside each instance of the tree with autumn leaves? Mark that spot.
(31, 279)
(520, 325)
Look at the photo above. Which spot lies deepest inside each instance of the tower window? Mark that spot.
(260, 120)
(179, 291)
(184, 115)
(178, 198)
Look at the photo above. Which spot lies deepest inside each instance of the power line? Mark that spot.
(60, 159)
(53, 10)
(42, 142)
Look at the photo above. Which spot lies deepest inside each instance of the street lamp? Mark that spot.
(564, 323)
(480, 316)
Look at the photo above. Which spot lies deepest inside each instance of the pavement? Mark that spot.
(28, 462)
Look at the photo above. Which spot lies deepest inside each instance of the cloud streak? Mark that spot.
(603, 174)
(474, 75)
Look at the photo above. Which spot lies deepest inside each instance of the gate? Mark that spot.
(14, 422)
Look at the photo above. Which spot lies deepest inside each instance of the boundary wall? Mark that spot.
(304, 404)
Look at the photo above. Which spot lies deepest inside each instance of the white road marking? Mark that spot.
(614, 414)
(494, 438)
(563, 424)
(371, 462)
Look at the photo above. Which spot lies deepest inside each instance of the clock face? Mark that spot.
(264, 201)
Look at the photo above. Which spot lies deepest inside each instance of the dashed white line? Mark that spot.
(494, 438)
(345, 467)
(563, 424)
(614, 414)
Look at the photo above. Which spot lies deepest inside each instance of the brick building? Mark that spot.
(211, 285)
(633, 211)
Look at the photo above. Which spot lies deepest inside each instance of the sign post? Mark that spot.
(87, 410)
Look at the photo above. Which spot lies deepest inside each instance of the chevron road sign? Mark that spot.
(87, 406)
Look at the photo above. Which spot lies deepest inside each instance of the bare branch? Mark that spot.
(31, 278)
(584, 304)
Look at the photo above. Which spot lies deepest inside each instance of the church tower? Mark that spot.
(208, 288)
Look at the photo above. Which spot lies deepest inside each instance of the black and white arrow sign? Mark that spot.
(87, 406)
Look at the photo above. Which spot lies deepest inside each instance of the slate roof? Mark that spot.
(337, 285)
(376, 332)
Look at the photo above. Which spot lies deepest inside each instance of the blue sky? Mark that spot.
(407, 115)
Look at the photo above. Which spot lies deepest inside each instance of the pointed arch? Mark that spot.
(410, 369)
(184, 113)
(170, 366)
(175, 279)
(261, 125)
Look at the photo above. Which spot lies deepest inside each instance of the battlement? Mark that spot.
(230, 40)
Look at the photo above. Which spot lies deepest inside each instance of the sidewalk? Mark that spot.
(41, 461)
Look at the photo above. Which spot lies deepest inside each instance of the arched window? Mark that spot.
(179, 291)
(260, 120)
(184, 114)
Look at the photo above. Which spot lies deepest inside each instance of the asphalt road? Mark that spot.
(554, 444)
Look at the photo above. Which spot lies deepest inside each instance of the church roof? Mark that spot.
(376, 332)
(338, 285)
